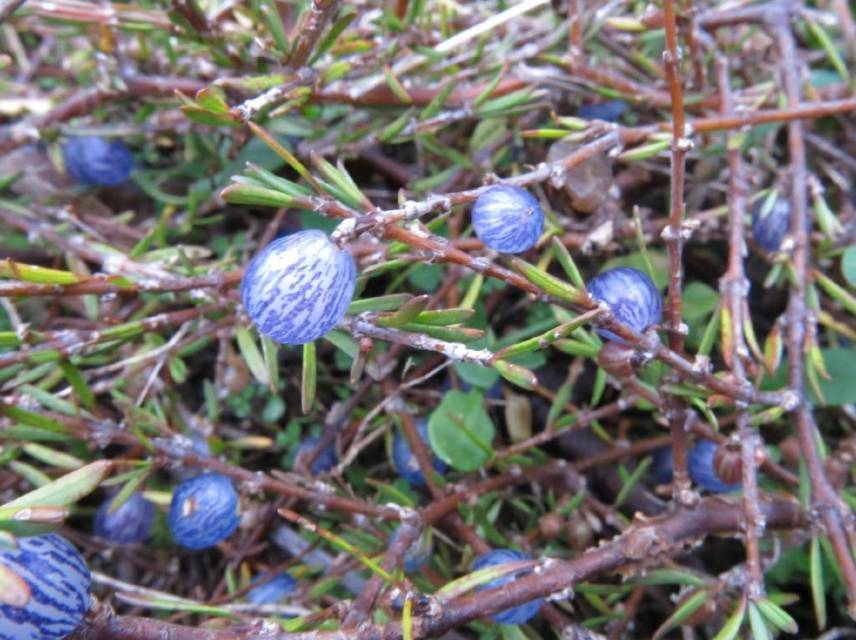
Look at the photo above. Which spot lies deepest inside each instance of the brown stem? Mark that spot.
(833, 512)
(734, 287)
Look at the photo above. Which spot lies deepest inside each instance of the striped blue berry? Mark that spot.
(771, 223)
(508, 219)
(57, 579)
(131, 522)
(404, 460)
(203, 511)
(97, 162)
(700, 464)
(273, 590)
(631, 296)
(299, 287)
(515, 615)
(326, 459)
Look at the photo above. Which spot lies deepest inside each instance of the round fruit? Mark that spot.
(273, 590)
(608, 111)
(204, 511)
(514, 615)
(325, 461)
(128, 524)
(96, 161)
(57, 579)
(508, 219)
(404, 460)
(702, 472)
(771, 223)
(662, 465)
(299, 287)
(631, 296)
(418, 554)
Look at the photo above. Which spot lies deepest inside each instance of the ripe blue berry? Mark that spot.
(608, 111)
(631, 296)
(702, 470)
(771, 224)
(325, 461)
(662, 466)
(404, 460)
(58, 581)
(128, 524)
(515, 615)
(96, 161)
(418, 554)
(508, 219)
(204, 511)
(299, 287)
(273, 590)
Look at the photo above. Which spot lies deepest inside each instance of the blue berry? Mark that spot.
(97, 162)
(418, 554)
(608, 111)
(325, 461)
(771, 224)
(128, 524)
(299, 287)
(404, 460)
(273, 590)
(58, 581)
(508, 219)
(662, 466)
(515, 615)
(701, 468)
(631, 296)
(204, 511)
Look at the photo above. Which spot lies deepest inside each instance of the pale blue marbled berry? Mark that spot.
(404, 460)
(326, 459)
(418, 554)
(508, 219)
(299, 287)
(771, 225)
(631, 296)
(701, 468)
(130, 523)
(515, 615)
(96, 161)
(203, 511)
(58, 580)
(273, 590)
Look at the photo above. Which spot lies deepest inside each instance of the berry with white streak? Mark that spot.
(52, 587)
(508, 219)
(203, 511)
(771, 223)
(299, 287)
(404, 460)
(418, 554)
(515, 615)
(631, 296)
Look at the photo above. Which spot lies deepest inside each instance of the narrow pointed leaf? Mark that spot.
(310, 377)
